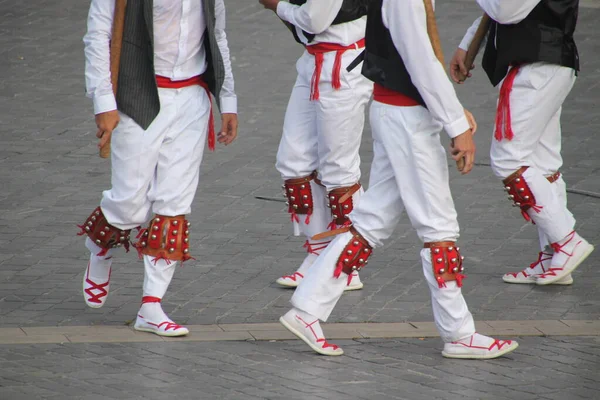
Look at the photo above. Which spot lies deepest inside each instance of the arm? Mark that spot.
(97, 56)
(228, 96)
(466, 41)
(508, 11)
(406, 22)
(229, 121)
(315, 16)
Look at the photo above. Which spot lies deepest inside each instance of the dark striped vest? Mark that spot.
(137, 93)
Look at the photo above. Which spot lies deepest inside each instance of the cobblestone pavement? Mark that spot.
(51, 179)
(409, 369)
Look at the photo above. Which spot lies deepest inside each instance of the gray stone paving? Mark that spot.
(409, 369)
(51, 178)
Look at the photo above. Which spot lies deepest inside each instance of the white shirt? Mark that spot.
(179, 53)
(406, 22)
(316, 17)
(504, 12)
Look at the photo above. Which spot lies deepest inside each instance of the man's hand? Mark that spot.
(472, 122)
(270, 4)
(457, 64)
(106, 123)
(229, 127)
(463, 146)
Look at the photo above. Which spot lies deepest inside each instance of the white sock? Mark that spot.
(99, 269)
(305, 319)
(154, 313)
(568, 244)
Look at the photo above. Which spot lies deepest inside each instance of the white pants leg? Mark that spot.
(324, 134)
(535, 102)
(414, 175)
(157, 170)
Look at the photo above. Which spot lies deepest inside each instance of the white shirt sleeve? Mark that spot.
(228, 96)
(468, 38)
(314, 16)
(508, 11)
(97, 55)
(407, 24)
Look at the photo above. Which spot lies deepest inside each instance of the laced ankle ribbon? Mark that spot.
(540, 261)
(558, 248)
(101, 288)
(325, 344)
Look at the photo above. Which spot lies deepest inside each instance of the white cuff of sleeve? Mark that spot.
(228, 105)
(457, 127)
(282, 9)
(466, 41)
(104, 103)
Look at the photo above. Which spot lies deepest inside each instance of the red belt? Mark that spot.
(387, 96)
(503, 119)
(167, 83)
(318, 50)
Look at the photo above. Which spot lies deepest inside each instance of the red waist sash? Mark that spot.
(391, 97)
(167, 83)
(318, 50)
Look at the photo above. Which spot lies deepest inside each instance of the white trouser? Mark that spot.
(536, 99)
(157, 170)
(409, 171)
(325, 134)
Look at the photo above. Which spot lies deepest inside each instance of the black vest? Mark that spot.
(351, 10)
(137, 93)
(382, 64)
(545, 35)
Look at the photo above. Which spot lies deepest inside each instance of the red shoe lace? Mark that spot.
(496, 343)
(558, 248)
(95, 297)
(293, 276)
(326, 344)
(315, 248)
(499, 344)
(169, 324)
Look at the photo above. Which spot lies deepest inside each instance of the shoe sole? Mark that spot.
(305, 340)
(165, 334)
(287, 285)
(91, 305)
(558, 282)
(509, 349)
(354, 287)
(549, 281)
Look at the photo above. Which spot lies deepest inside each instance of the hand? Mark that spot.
(269, 4)
(106, 123)
(229, 127)
(463, 147)
(472, 122)
(457, 66)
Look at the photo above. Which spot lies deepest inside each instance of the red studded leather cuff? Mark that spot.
(106, 236)
(447, 262)
(166, 238)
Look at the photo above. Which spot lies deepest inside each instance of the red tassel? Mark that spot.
(316, 78)
(307, 219)
(441, 282)
(337, 68)
(332, 225)
(102, 253)
(503, 117)
(295, 217)
(211, 128)
(338, 270)
(459, 279)
(82, 232)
